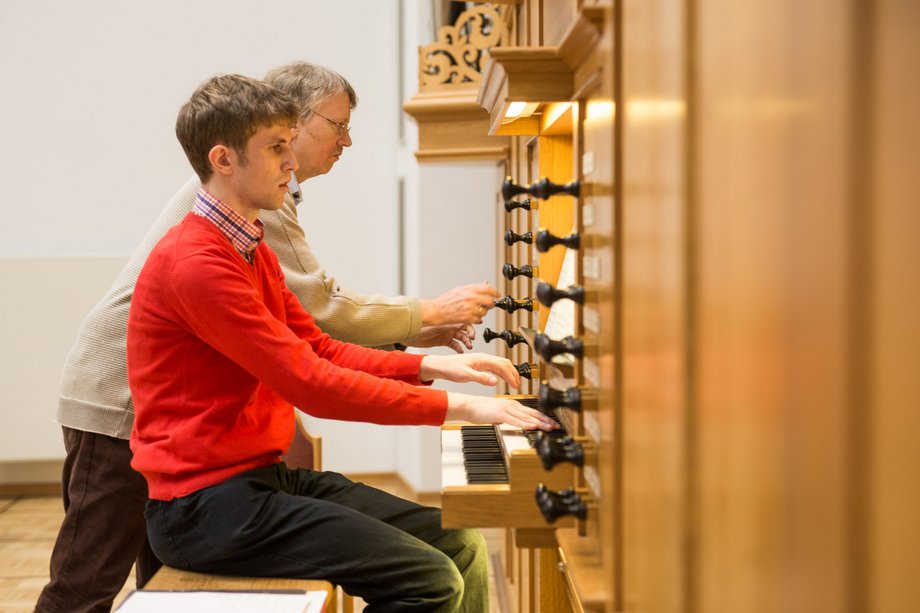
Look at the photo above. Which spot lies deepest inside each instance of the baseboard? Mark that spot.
(30, 478)
(43, 477)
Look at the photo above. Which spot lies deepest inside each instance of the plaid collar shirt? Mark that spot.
(244, 236)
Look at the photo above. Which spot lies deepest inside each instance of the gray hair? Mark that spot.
(310, 85)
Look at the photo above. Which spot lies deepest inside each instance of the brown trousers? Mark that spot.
(104, 531)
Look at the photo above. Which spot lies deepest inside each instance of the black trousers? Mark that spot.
(103, 532)
(281, 522)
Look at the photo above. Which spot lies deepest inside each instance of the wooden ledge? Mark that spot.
(536, 74)
(452, 127)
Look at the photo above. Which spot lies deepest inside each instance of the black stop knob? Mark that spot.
(547, 348)
(510, 305)
(549, 399)
(510, 272)
(546, 241)
(512, 338)
(553, 450)
(512, 237)
(547, 294)
(525, 370)
(554, 505)
(542, 189)
(526, 205)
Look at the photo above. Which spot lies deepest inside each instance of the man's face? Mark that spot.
(318, 142)
(261, 182)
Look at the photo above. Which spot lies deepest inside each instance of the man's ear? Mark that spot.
(222, 159)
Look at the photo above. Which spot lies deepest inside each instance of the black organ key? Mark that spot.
(483, 459)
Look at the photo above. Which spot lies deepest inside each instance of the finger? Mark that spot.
(452, 344)
(470, 331)
(506, 370)
(536, 419)
(482, 378)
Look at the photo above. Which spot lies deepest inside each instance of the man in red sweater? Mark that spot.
(219, 352)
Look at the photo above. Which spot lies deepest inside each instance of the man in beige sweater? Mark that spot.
(104, 532)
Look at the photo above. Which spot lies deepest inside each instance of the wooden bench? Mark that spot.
(168, 578)
(305, 452)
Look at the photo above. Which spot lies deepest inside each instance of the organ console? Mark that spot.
(552, 491)
(488, 474)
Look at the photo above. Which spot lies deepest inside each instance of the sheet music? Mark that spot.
(223, 602)
(561, 320)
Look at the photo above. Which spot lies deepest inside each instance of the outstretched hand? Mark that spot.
(480, 368)
(496, 410)
(455, 336)
(466, 304)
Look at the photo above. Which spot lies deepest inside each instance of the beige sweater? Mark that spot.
(94, 388)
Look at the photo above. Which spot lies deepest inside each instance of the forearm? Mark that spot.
(346, 315)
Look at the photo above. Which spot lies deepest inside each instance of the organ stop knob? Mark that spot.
(542, 189)
(554, 505)
(549, 399)
(510, 272)
(547, 348)
(510, 305)
(512, 237)
(553, 450)
(526, 205)
(547, 294)
(546, 241)
(526, 370)
(511, 338)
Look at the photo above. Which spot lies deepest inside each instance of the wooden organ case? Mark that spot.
(547, 96)
(719, 195)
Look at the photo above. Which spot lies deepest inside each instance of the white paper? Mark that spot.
(152, 601)
(561, 320)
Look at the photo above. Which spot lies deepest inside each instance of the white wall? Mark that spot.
(88, 157)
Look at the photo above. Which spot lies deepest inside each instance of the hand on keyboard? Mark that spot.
(496, 410)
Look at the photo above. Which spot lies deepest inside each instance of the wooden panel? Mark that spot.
(556, 213)
(654, 303)
(890, 410)
(558, 16)
(771, 341)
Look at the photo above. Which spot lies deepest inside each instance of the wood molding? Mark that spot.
(453, 127)
(539, 74)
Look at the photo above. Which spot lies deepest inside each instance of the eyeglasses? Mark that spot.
(344, 128)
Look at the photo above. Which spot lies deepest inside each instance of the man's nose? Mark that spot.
(290, 162)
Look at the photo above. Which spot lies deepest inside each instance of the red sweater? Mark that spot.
(219, 351)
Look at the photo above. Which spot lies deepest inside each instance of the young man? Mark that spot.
(220, 351)
(103, 531)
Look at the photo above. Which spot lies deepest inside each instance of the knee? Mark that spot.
(446, 583)
(473, 550)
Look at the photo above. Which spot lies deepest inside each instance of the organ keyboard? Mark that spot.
(490, 473)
